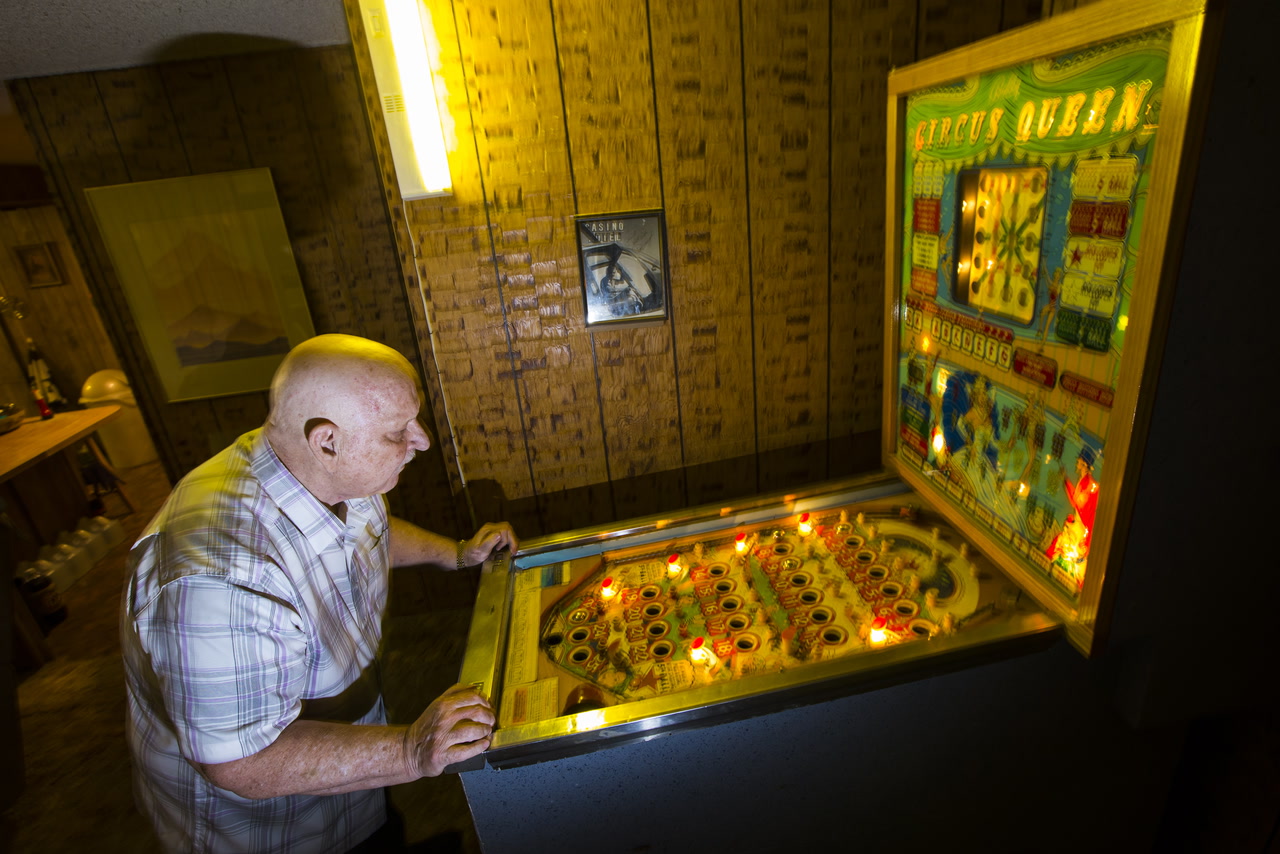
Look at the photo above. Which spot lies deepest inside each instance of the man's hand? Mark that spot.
(455, 727)
(491, 537)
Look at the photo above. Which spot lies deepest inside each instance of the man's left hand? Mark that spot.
(491, 537)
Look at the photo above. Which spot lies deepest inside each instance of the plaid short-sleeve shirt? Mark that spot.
(249, 604)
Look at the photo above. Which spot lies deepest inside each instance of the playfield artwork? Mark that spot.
(734, 604)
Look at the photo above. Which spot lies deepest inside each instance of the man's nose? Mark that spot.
(420, 439)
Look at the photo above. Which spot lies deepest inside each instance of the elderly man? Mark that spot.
(251, 620)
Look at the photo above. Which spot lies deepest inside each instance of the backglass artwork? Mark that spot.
(623, 266)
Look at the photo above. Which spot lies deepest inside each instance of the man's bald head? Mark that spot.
(330, 377)
(344, 415)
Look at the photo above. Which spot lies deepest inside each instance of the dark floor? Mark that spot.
(77, 794)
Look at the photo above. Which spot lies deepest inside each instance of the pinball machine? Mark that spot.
(913, 645)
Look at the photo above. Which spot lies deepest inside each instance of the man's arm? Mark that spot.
(228, 657)
(411, 545)
(323, 758)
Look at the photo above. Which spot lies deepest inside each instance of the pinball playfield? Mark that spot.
(659, 619)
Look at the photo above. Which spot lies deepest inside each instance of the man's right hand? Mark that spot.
(455, 727)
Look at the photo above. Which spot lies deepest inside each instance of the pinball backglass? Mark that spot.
(1033, 179)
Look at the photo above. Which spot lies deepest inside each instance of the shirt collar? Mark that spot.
(317, 522)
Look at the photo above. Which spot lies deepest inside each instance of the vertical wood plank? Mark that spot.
(785, 48)
(698, 72)
(944, 25)
(612, 144)
(205, 116)
(1019, 13)
(138, 108)
(875, 37)
(608, 103)
(520, 138)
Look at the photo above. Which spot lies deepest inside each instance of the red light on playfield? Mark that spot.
(699, 652)
(607, 590)
(878, 635)
(741, 542)
(673, 566)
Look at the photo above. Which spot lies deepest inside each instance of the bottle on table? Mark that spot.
(43, 388)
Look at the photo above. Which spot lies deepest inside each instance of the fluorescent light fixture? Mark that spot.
(399, 34)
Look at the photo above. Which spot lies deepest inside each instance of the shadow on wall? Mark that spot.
(210, 45)
(677, 489)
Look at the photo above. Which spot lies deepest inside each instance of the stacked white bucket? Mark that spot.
(75, 552)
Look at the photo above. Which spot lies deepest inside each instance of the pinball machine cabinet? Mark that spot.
(659, 689)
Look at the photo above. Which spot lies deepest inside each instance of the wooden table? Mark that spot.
(37, 439)
(40, 475)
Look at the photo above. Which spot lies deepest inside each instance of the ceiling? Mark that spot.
(42, 37)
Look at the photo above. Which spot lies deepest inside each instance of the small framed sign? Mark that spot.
(624, 266)
(39, 262)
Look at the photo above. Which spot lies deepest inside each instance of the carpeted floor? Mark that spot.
(78, 794)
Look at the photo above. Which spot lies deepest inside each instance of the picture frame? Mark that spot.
(39, 264)
(1033, 180)
(206, 266)
(624, 266)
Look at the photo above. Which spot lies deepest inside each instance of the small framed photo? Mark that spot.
(39, 263)
(624, 266)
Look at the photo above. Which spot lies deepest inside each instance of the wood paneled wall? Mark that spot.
(297, 112)
(759, 128)
(61, 318)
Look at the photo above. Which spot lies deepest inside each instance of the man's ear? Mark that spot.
(322, 439)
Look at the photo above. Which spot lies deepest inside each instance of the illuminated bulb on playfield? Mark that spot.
(806, 526)
(878, 635)
(1023, 489)
(608, 589)
(699, 652)
(939, 441)
(741, 542)
(673, 566)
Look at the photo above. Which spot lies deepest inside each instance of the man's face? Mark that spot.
(382, 439)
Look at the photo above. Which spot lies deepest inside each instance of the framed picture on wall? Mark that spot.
(624, 266)
(209, 274)
(39, 263)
